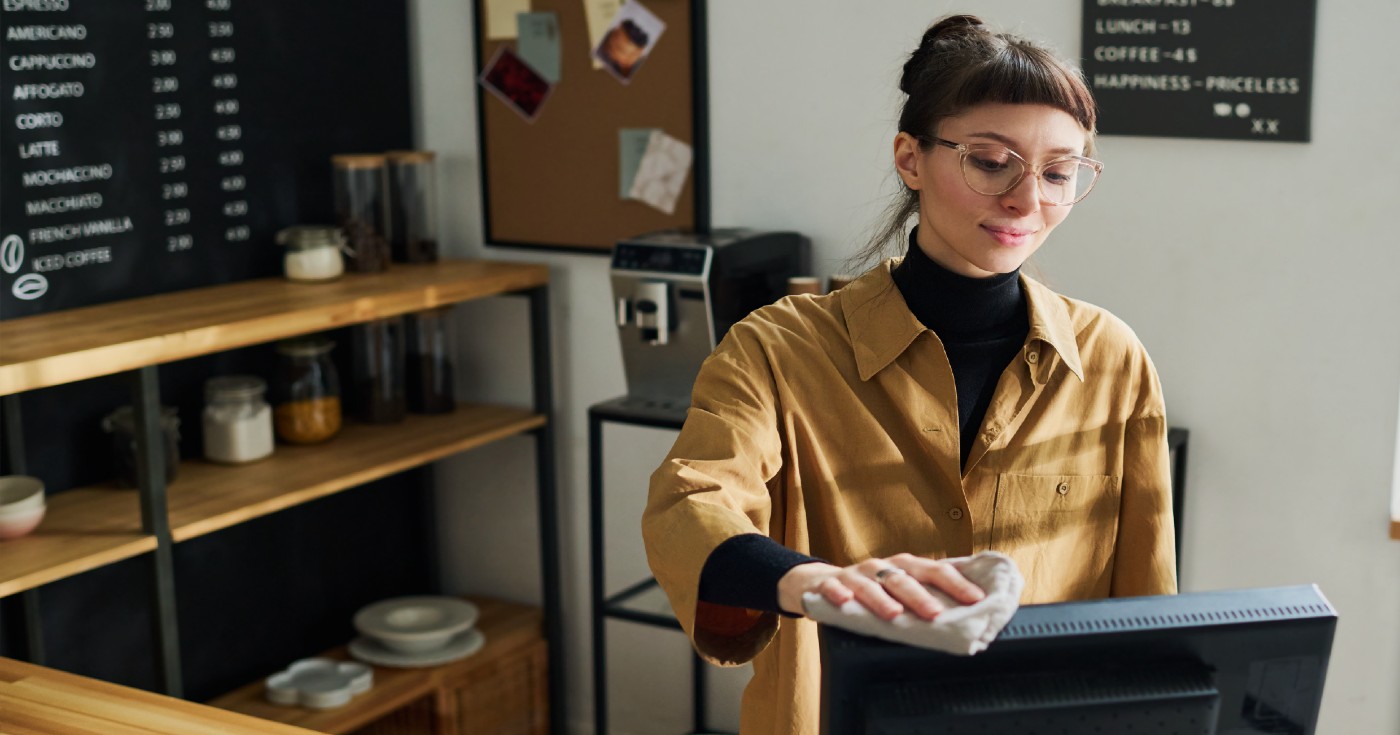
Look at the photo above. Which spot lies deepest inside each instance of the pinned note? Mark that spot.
(661, 177)
(500, 17)
(539, 43)
(632, 146)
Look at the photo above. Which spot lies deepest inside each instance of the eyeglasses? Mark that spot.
(993, 170)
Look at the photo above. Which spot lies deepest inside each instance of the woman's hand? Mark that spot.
(885, 586)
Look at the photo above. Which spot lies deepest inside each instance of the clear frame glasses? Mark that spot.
(993, 170)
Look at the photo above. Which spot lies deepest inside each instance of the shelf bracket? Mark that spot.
(155, 520)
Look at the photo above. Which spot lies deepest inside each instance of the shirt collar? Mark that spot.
(882, 327)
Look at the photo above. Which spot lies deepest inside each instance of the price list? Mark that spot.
(1230, 69)
(155, 145)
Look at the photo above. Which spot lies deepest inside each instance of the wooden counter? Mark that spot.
(38, 701)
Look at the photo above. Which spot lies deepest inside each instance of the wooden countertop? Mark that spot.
(39, 701)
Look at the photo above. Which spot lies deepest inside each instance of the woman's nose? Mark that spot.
(1024, 197)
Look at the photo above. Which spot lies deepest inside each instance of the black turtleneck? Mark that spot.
(982, 323)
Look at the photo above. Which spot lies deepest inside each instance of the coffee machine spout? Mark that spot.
(653, 315)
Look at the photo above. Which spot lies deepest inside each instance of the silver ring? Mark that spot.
(883, 575)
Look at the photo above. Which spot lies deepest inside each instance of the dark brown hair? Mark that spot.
(960, 63)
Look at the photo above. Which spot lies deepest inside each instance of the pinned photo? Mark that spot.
(518, 84)
(628, 40)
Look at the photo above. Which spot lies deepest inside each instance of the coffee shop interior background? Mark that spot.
(1259, 275)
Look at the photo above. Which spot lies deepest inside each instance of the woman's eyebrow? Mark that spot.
(1009, 143)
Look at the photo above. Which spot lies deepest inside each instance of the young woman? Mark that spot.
(941, 405)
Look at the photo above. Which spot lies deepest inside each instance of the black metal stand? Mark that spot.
(543, 373)
(626, 605)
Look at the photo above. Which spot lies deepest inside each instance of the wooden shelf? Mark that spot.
(509, 630)
(82, 529)
(1395, 528)
(90, 527)
(77, 344)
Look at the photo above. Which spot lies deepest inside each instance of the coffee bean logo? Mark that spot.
(11, 254)
(30, 286)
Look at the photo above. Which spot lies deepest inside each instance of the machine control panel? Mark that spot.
(689, 261)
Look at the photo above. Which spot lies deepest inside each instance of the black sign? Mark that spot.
(156, 145)
(1235, 69)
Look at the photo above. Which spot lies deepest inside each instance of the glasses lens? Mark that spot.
(991, 170)
(1066, 182)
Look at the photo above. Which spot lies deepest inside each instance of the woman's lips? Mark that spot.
(1009, 236)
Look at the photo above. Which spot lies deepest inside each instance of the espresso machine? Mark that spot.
(677, 293)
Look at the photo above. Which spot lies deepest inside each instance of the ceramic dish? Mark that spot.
(459, 646)
(20, 493)
(319, 683)
(415, 624)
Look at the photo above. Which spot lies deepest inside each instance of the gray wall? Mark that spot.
(1259, 275)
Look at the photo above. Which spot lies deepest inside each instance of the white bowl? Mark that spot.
(20, 493)
(415, 624)
(16, 523)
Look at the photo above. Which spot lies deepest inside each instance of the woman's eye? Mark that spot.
(989, 164)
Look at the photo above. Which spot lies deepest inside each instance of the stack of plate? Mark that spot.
(407, 632)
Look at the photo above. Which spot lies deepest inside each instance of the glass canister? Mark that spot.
(362, 209)
(378, 365)
(121, 424)
(412, 206)
(430, 362)
(313, 252)
(237, 419)
(306, 391)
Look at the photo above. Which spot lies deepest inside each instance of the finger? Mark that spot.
(836, 593)
(912, 594)
(873, 596)
(946, 577)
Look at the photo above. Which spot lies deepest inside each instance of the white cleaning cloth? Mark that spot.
(960, 629)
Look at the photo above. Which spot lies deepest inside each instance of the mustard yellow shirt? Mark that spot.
(830, 424)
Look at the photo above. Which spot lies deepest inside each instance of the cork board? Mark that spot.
(554, 182)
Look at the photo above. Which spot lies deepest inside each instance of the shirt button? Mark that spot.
(1062, 488)
(955, 513)
(1032, 357)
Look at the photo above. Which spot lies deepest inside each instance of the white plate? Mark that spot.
(460, 646)
(416, 624)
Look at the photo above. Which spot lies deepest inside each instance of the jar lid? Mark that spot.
(357, 160)
(410, 156)
(124, 419)
(306, 346)
(234, 387)
(308, 237)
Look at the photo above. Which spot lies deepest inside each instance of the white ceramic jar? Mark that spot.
(237, 419)
(313, 253)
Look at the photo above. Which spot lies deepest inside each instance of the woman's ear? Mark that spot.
(908, 158)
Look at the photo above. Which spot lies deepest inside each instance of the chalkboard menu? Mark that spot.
(157, 145)
(1234, 69)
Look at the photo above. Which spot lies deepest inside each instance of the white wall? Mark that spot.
(1260, 276)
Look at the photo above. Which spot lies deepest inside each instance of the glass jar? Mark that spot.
(306, 391)
(430, 362)
(362, 209)
(313, 252)
(412, 206)
(237, 420)
(378, 366)
(121, 424)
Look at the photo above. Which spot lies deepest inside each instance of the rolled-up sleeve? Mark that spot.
(714, 485)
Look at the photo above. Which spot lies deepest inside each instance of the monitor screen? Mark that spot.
(1231, 662)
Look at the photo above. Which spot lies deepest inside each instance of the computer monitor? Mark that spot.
(1232, 662)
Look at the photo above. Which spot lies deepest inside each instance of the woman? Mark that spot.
(941, 405)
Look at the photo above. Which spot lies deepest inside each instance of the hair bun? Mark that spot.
(951, 29)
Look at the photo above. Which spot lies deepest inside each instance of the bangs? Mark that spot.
(1021, 75)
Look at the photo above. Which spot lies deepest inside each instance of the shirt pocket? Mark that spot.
(1061, 530)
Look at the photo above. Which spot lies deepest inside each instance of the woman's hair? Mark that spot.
(960, 63)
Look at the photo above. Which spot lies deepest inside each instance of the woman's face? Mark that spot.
(974, 234)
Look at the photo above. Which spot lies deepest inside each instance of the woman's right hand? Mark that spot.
(884, 586)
